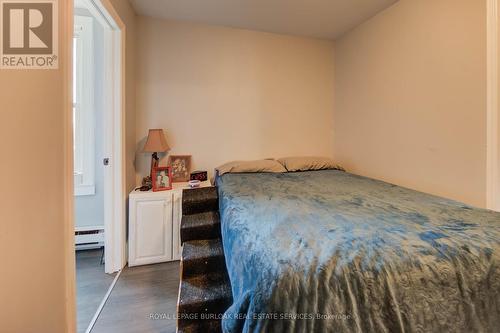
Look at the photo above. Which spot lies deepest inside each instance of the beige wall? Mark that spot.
(33, 221)
(411, 98)
(127, 15)
(223, 94)
(37, 284)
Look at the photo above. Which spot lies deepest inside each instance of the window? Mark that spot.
(83, 107)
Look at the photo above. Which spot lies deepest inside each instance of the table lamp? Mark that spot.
(155, 143)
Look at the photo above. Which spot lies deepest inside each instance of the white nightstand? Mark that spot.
(154, 225)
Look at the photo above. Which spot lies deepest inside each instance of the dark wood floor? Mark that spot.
(143, 300)
(91, 286)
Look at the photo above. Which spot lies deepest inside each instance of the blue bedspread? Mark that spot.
(328, 251)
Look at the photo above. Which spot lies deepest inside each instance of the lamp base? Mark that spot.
(154, 163)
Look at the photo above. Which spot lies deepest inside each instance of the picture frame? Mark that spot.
(181, 167)
(162, 179)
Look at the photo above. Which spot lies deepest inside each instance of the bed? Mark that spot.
(329, 251)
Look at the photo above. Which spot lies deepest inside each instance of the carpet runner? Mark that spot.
(205, 290)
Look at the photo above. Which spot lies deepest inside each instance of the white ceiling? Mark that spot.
(312, 18)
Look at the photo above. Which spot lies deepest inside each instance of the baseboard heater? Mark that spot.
(89, 237)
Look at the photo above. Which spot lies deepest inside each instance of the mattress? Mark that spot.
(329, 251)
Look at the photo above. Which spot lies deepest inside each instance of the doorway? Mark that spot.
(99, 204)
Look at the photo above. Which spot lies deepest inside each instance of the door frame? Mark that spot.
(114, 129)
(492, 106)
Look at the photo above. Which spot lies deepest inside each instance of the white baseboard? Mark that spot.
(89, 237)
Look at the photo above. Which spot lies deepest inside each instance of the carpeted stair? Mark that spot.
(200, 226)
(205, 290)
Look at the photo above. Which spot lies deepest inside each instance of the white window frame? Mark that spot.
(83, 104)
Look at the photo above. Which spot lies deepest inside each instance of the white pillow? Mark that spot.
(305, 163)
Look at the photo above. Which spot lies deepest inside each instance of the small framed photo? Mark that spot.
(162, 179)
(181, 167)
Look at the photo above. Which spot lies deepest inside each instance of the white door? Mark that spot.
(150, 230)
